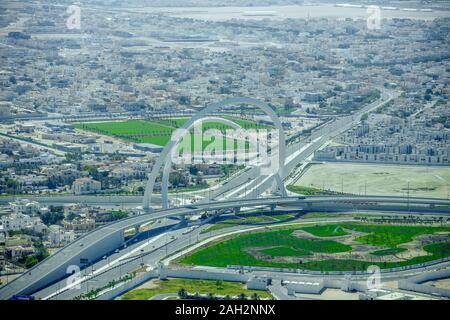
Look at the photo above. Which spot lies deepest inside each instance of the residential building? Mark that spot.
(86, 186)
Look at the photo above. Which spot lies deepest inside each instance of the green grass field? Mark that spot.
(248, 220)
(159, 132)
(439, 249)
(281, 242)
(246, 124)
(222, 288)
(307, 191)
(436, 250)
(326, 230)
(189, 189)
(282, 217)
(233, 251)
(388, 252)
(377, 235)
(310, 215)
(391, 236)
(285, 252)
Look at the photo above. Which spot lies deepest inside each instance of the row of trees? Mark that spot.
(183, 294)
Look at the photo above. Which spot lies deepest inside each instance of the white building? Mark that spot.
(86, 186)
(20, 221)
(58, 236)
(123, 173)
(25, 206)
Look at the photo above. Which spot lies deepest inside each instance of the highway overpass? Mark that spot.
(94, 245)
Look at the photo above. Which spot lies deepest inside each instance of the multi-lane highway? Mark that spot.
(180, 239)
(149, 252)
(94, 245)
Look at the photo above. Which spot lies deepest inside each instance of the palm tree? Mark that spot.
(182, 293)
(242, 296)
(211, 296)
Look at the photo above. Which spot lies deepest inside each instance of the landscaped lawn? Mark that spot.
(307, 191)
(326, 230)
(159, 132)
(147, 132)
(282, 217)
(310, 215)
(388, 252)
(281, 242)
(285, 252)
(248, 220)
(436, 250)
(222, 288)
(246, 124)
(130, 127)
(377, 235)
(441, 249)
(233, 251)
(189, 189)
(391, 236)
(131, 130)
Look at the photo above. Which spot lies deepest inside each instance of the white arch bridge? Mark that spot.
(165, 159)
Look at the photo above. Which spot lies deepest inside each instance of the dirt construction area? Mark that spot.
(378, 179)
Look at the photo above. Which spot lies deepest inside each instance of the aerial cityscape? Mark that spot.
(224, 150)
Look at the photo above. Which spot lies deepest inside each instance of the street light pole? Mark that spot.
(408, 195)
(245, 192)
(166, 243)
(448, 192)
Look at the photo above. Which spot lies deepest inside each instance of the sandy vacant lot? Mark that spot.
(379, 179)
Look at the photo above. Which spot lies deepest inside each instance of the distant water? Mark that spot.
(293, 12)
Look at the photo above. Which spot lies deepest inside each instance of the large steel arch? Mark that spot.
(168, 163)
(163, 158)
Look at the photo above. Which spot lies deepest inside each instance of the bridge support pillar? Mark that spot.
(162, 271)
(237, 210)
(272, 207)
(148, 210)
